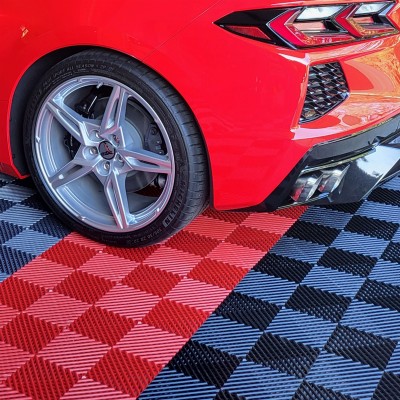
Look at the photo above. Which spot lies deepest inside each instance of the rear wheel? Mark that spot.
(114, 150)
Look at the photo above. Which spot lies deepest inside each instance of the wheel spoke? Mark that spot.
(147, 161)
(115, 192)
(74, 123)
(70, 172)
(115, 112)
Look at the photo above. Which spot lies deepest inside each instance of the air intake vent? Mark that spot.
(327, 88)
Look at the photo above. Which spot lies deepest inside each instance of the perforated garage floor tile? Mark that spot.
(317, 317)
(83, 320)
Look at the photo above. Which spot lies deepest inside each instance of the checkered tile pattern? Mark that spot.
(83, 320)
(27, 228)
(318, 317)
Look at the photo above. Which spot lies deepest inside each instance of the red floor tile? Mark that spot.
(253, 238)
(44, 273)
(217, 273)
(85, 287)
(152, 344)
(19, 294)
(11, 359)
(172, 260)
(42, 380)
(192, 243)
(90, 389)
(29, 333)
(269, 222)
(69, 253)
(7, 393)
(128, 302)
(124, 372)
(57, 308)
(234, 254)
(75, 352)
(191, 293)
(7, 314)
(152, 280)
(176, 318)
(102, 325)
(137, 255)
(211, 227)
(109, 267)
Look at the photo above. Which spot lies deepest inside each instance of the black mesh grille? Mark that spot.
(327, 88)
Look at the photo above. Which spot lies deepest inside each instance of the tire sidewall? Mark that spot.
(141, 80)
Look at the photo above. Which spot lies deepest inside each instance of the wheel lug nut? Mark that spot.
(106, 166)
(97, 134)
(93, 151)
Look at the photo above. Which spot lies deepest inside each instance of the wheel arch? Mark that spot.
(28, 82)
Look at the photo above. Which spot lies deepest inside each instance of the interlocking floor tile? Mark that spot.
(313, 233)
(205, 363)
(334, 281)
(176, 318)
(283, 267)
(11, 359)
(22, 215)
(386, 196)
(326, 217)
(69, 254)
(248, 310)
(345, 376)
(29, 333)
(266, 287)
(178, 386)
(217, 273)
(309, 391)
(380, 294)
(388, 388)
(128, 302)
(90, 389)
(74, 352)
(319, 314)
(226, 335)
(110, 267)
(96, 323)
(42, 380)
(301, 328)
(374, 319)
(125, 372)
(249, 379)
(152, 280)
(319, 303)
(346, 261)
(77, 284)
(152, 344)
(364, 347)
(284, 355)
(372, 227)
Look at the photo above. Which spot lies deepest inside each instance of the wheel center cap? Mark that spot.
(107, 150)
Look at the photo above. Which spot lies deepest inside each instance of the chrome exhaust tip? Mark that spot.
(318, 184)
(331, 179)
(305, 187)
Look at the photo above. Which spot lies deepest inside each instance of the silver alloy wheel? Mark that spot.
(108, 180)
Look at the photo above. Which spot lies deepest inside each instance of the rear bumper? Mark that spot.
(341, 171)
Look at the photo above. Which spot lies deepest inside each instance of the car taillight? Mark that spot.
(312, 26)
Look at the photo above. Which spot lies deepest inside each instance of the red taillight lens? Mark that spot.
(313, 26)
(354, 21)
(301, 34)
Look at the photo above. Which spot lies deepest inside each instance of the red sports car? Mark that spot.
(132, 116)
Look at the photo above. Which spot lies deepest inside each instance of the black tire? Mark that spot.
(191, 177)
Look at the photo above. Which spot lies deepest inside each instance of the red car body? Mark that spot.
(246, 95)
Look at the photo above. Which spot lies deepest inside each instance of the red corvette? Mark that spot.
(132, 117)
